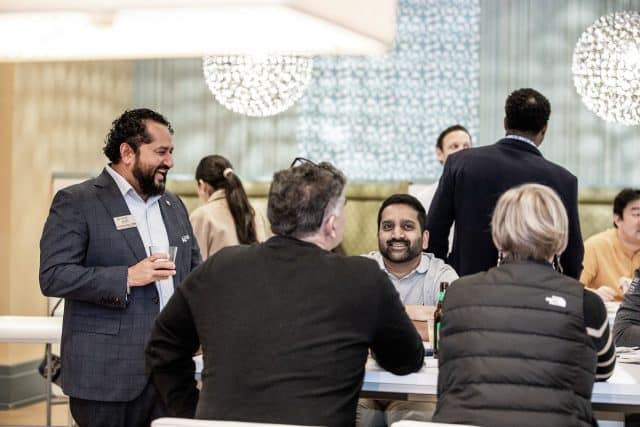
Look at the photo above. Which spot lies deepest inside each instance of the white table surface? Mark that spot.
(620, 393)
(30, 329)
(33, 329)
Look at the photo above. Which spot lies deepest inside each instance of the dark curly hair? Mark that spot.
(447, 131)
(527, 110)
(409, 200)
(211, 170)
(622, 199)
(130, 128)
(300, 196)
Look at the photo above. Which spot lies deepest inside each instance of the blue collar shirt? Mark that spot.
(150, 225)
(521, 138)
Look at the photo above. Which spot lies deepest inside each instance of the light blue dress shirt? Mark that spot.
(150, 225)
(522, 138)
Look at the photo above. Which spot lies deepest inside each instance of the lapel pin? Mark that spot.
(168, 203)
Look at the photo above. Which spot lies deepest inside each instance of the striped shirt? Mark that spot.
(597, 323)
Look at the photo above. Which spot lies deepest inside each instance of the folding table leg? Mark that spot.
(48, 390)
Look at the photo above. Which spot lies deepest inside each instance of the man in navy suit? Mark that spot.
(474, 179)
(94, 254)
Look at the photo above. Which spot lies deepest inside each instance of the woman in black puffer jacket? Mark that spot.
(519, 342)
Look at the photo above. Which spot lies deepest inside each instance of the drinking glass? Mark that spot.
(170, 251)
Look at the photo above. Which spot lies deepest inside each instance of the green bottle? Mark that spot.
(437, 319)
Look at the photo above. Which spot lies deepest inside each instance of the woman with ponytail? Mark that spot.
(226, 218)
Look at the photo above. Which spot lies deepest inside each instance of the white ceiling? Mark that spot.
(33, 30)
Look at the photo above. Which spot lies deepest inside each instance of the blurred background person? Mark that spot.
(521, 344)
(626, 329)
(226, 218)
(610, 257)
(451, 140)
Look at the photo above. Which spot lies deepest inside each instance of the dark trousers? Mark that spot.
(632, 420)
(137, 413)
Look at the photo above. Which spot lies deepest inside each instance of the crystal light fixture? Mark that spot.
(257, 85)
(606, 67)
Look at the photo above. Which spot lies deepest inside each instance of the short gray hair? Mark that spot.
(300, 197)
(530, 221)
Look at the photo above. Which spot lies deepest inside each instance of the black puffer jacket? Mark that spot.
(515, 351)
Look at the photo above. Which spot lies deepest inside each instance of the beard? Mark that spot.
(391, 249)
(146, 179)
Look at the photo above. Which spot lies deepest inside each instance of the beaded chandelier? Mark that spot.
(257, 85)
(606, 67)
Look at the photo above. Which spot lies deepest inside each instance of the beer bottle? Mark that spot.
(437, 319)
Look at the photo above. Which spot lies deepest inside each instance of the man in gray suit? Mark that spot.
(94, 253)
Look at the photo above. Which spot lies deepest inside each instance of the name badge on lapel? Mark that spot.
(125, 221)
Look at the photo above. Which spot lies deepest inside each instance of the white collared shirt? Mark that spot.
(150, 225)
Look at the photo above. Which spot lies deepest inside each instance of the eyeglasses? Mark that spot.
(298, 161)
(301, 160)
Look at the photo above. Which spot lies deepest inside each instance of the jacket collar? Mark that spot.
(278, 241)
(520, 145)
(113, 200)
(509, 260)
(217, 195)
(110, 196)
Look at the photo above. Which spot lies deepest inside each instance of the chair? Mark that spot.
(186, 422)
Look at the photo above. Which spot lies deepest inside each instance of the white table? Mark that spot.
(30, 329)
(33, 329)
(621, 393)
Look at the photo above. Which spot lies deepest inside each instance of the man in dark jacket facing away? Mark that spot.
(285, 325)
(474, 179)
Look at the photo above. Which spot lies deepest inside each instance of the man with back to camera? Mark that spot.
(611, 257)
(416, 275)
(94, 254)
(451, 140)
(473, 180)
(283, 328)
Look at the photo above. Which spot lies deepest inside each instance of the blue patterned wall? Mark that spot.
(377, 118)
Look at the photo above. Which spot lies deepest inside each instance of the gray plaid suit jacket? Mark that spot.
(84, 259)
